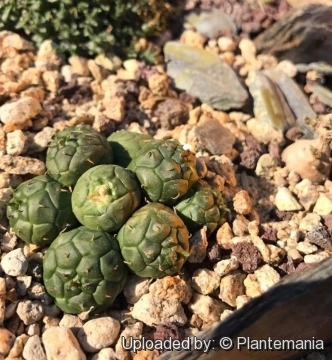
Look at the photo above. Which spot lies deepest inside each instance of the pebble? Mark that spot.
(114, 108)
(324, 204)
(15, 143)
(130, 70)
(309, 221)
(295, 255)
(30, 311)
(197, 246)
(241, 300)
(287, 67)
(50, 321)
(226, 44)
(151, 312)
(42, 139)
(231, 286)
(10, 310)
(133, 331)
(23, 282)
(79, 65)
(306, 248)
(47, 56)
(33, 329)
(14, 263)
(19, 112)
(30, 76)
(21, 165)
(98, 72)
(264, 132)
(171, 288)
(10, 39)
(109, 62)
(266, 277)
(240, 225)
(242, 202)
(224, 236)
(206, 307)
(2, 141)
(61, 344)
(205, 281)
(214, 136)
(73, 322)
(276, 254)
(223, 267)
(146, 355)
(252, 287)
(105, 354)
(248, 52)
(285, 200)
(158, 84)
(17, 348)
(265, 166)
(307, 193)
(37, 292)
(98, 333)
(135, 288)
(315, 258)
(33, 349)
(51, 79)
(225, 314)
(7, 339)
(191, 37)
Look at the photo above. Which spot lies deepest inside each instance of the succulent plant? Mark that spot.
(165, 170)
(75, 150)
(202, 206)
(89, 27)
(40, 209)
(154, 242)
(126, 144)
(105, 197)
(83, 270)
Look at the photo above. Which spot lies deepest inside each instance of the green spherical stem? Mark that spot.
(202, 206)
(105, 197)
(154, 242)
(83, 270)
(40, 209)
(75, 150)
(126, 144)
(165, 171)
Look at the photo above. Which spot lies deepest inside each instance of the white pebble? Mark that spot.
(266, 277)
(306, 248)
(97, 334)
(33, 349)
(223, 267)
(315, 258)
(135, 288)
(61, 344)
(285, 200)
(206, 307)
(15, 142)
(30, 311)
(151, 312)
(231, 286)
(205, 281)
(14, 263)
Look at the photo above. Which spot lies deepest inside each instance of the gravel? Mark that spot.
(277, 223)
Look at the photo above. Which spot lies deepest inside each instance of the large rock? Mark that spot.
(205, 76)
(303, 36)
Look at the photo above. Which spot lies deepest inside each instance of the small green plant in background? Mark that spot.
(92, 27)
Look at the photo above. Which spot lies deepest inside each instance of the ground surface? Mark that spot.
(281, 216)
